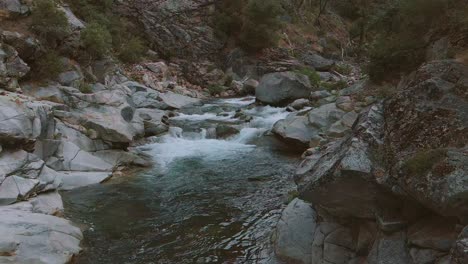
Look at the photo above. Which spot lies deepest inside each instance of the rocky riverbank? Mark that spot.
(384, 171)
(394, 188)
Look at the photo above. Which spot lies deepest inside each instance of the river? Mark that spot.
(204, 201)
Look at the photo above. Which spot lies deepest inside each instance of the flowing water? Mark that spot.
(205, 200)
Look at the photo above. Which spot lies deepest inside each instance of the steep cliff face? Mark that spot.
(177, 28)
(397, 184)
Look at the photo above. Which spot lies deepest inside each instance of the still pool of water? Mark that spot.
(204, 201)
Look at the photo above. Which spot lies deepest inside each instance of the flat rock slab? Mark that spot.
(77, 179)
(37, 238)
(177, 101)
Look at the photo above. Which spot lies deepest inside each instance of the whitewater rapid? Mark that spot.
(173, 145)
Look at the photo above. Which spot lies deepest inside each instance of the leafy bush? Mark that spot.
(86, 88)
(122, 35)
(49, 66)
(215, 89)
(344, 69)
(49, 22)
(423, 161)
(96, 40)
(392, 56)
(132, 51)
(228, 18)
(313, 76)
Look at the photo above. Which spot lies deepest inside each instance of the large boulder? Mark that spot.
(318, 62)
(29, 47)
(295, 129)
(70, 157)
(427, 137)
(459, 253)
(76, 135)
(23, 121)
(423, 132)
(49, 203)
(114, 124)
(333, 243)
(341, 177)
(37, 238)
(176, 101)
(74, 22)
(12, 67)
(295, 232)
(148, 99)
(22, 175)
(314, 127)
(282, 88)
(11, 8)
(77, 179)
(390, 249)
(403, 167)
(53, 93)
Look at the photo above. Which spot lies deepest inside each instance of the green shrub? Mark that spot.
(313, 76)
(96, 40)
(215, 89)
(49, 22)
(228, 81)
(344, 69)
(86, 88)
(423, 161)
(49, 66)
(228, 18)
(121, 35)
(391, 56)
(334, 85)
(132, 51)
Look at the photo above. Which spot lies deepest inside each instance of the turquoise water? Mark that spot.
(204, 201)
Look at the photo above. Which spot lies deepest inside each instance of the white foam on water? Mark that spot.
(243, 101)
(247, 134)
(174, 146)
(204, 117)
(266, 116)
(171, 148)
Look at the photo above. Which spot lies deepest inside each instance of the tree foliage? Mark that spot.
(399, 45)
(49, 22)
(132, 51)
(122, 36)
(96, 40)
(49, 66)
(254, 24)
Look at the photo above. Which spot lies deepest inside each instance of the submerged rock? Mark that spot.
(225, 131)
